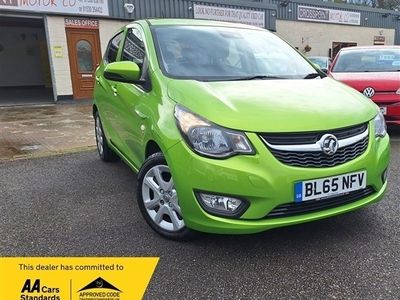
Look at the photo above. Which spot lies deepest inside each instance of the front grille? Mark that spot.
(319, 159)
(299, 138)
(291, 156)
(293, 208)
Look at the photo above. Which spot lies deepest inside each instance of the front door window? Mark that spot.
(85, 56)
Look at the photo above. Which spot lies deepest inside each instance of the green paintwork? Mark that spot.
(274, 105)
(249, 106)
(126, 70)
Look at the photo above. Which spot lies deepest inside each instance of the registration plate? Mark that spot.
(383, 110)
(329, 186)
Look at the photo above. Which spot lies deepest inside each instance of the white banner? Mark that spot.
(249, 17)
(79, 7)
(326, 15)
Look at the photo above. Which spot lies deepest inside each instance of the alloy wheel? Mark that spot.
(160, 199)
(99, 136)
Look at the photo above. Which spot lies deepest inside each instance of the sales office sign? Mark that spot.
(85, 7)
(326, 15)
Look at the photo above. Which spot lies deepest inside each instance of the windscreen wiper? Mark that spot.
(261, 77)
(312, 76)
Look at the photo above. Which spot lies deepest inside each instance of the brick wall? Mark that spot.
(107, 29)
(319, 36)
(60, 66)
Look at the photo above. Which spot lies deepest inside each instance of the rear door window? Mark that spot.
(112, 49)
(134, 49)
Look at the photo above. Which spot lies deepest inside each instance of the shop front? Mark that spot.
(49, 49)
(24, 60)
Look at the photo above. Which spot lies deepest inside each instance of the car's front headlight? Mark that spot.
(380, 125)
(210, 139)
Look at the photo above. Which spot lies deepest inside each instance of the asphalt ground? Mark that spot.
(43, 130)
(76, 205)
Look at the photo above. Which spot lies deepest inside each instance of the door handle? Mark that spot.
(115, 91)
(99, 82)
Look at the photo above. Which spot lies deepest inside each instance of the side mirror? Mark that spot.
(325, 70)
(123, 71)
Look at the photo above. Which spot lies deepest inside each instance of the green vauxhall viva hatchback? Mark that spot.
(232, 131)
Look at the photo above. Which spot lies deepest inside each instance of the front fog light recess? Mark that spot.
(221, 205)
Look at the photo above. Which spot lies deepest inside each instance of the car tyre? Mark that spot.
(158, 201)
(105, 152)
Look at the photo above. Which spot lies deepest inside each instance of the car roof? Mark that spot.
(325, 57)
(192, 22)
(370, 47)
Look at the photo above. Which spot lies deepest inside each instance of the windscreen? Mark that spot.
(225, 53)
(371, 60)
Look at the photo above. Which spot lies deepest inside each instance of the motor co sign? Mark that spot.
(249, 17)
(81, 7)
(317, 14)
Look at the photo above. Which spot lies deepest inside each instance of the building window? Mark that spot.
(336, 46)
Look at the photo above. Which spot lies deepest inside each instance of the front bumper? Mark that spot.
(265, 183)
(391, 102)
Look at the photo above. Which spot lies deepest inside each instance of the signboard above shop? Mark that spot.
(249, 17)
(81, 23)
(78, 7)
(326, 15)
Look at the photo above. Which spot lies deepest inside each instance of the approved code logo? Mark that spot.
(99, 289)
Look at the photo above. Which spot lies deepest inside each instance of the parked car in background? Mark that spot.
(232, 131)
(323, 62)
(375, 72)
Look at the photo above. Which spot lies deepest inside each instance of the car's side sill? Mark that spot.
(123, 157)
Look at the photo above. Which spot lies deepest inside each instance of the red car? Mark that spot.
(375, 72)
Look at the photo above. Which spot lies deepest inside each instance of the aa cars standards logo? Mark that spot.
(99, 289)
(35, 289)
